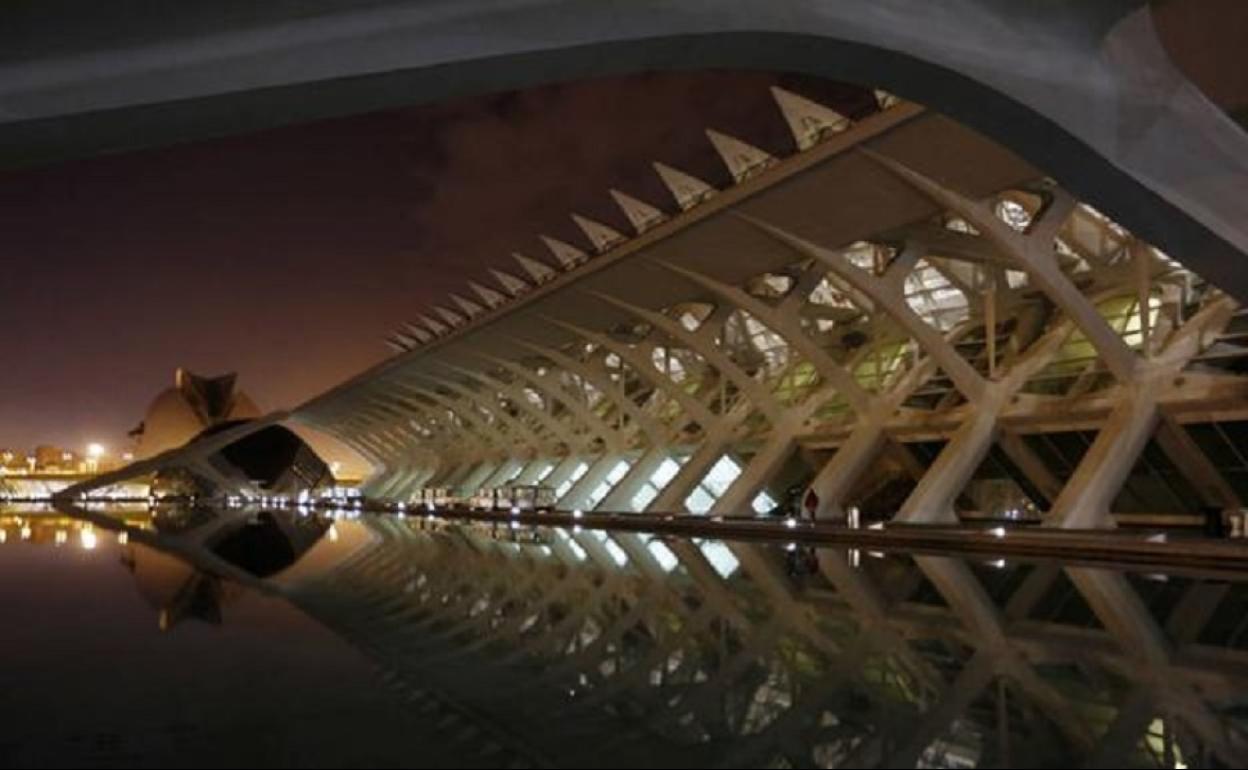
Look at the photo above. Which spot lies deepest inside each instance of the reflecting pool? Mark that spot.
(201, 636)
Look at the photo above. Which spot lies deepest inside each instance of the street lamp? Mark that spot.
(94, 453)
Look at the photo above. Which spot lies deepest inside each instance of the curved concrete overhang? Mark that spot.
(1082, 90)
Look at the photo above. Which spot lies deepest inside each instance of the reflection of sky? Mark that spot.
(87, 676)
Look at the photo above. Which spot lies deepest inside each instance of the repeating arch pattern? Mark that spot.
(908, 334)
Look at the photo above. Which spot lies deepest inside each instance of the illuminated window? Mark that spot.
(763, 502)
(563, 488)
(573, 546)
(1013, 214)
(713, 485)
(609, 481)
(661, 477)
(612, 547)
(663, 555)
(934, 298)
(720, 557)
(669, 364)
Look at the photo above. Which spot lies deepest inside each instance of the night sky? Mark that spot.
(288, 255)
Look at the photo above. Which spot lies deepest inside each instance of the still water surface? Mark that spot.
(192, 637)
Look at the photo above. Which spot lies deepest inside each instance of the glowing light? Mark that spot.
(123, 538)
(95, 451)
(88, 539)
(791, 523)
(61, 537)
(997, 531)
(332, 533)
(578, 513)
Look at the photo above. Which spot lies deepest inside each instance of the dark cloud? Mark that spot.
(288, 255)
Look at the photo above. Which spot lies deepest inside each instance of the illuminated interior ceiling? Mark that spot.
(902, 315)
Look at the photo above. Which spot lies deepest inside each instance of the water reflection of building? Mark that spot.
(580, 648)
(42, 527)
(260, 544)
(568, 647)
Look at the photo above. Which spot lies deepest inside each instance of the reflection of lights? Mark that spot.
(999, 563)
(26, 532)
(332, 533)
(4, 536)
(123, 538)
(87, 538)
(61, 537)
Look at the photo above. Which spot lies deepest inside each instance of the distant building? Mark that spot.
(273, 459)
(194, 404)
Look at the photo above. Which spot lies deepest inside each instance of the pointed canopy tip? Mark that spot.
(511, 284)
(433, 325)
(687, 189)
(641, 215)
(487, 295)
(601, 236)
(415, 331)
(448, 315)
(568, 255)
(884, 99)
(809, 121)
(539, 271)
(743, 159)
(467, 305)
